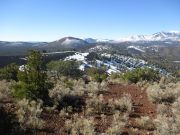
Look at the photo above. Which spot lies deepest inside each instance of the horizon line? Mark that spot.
(173, 31)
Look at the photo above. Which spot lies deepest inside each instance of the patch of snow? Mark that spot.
(84, 66)
(106, 55)
(136, 48)
(58, 52)
(98, 48)
(23, 58)
(110, 71)
(77, 56)
(22, 68)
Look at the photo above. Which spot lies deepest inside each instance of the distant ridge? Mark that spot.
(159, 36)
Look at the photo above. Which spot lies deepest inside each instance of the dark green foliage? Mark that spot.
(139, 74)
(76, 102)
(33, 80)
(65, 68)
(116, 75)
(8, 123)
(97, 74)
(9, 72)
(92, 56)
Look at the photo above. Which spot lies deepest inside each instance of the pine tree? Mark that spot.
(33, 80)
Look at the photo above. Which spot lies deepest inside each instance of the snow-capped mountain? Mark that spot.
(159, 36)
(68, 41)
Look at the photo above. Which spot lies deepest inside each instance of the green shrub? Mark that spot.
(139, 74)
(65, 68)
(115, 75)
(9, 72)
(97, 75)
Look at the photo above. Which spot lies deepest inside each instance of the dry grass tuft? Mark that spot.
(80, 126)
(95, 104)
(118, 123)
(159, 93)
(144, 122)
(28, 114)
(124, 104)
(5, 89)
(167, 121)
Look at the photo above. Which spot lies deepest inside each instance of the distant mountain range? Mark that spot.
(159, 36)
(171, 38)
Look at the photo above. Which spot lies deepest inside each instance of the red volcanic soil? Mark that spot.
(141, 107)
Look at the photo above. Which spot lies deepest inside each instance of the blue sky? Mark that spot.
(48, 20)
